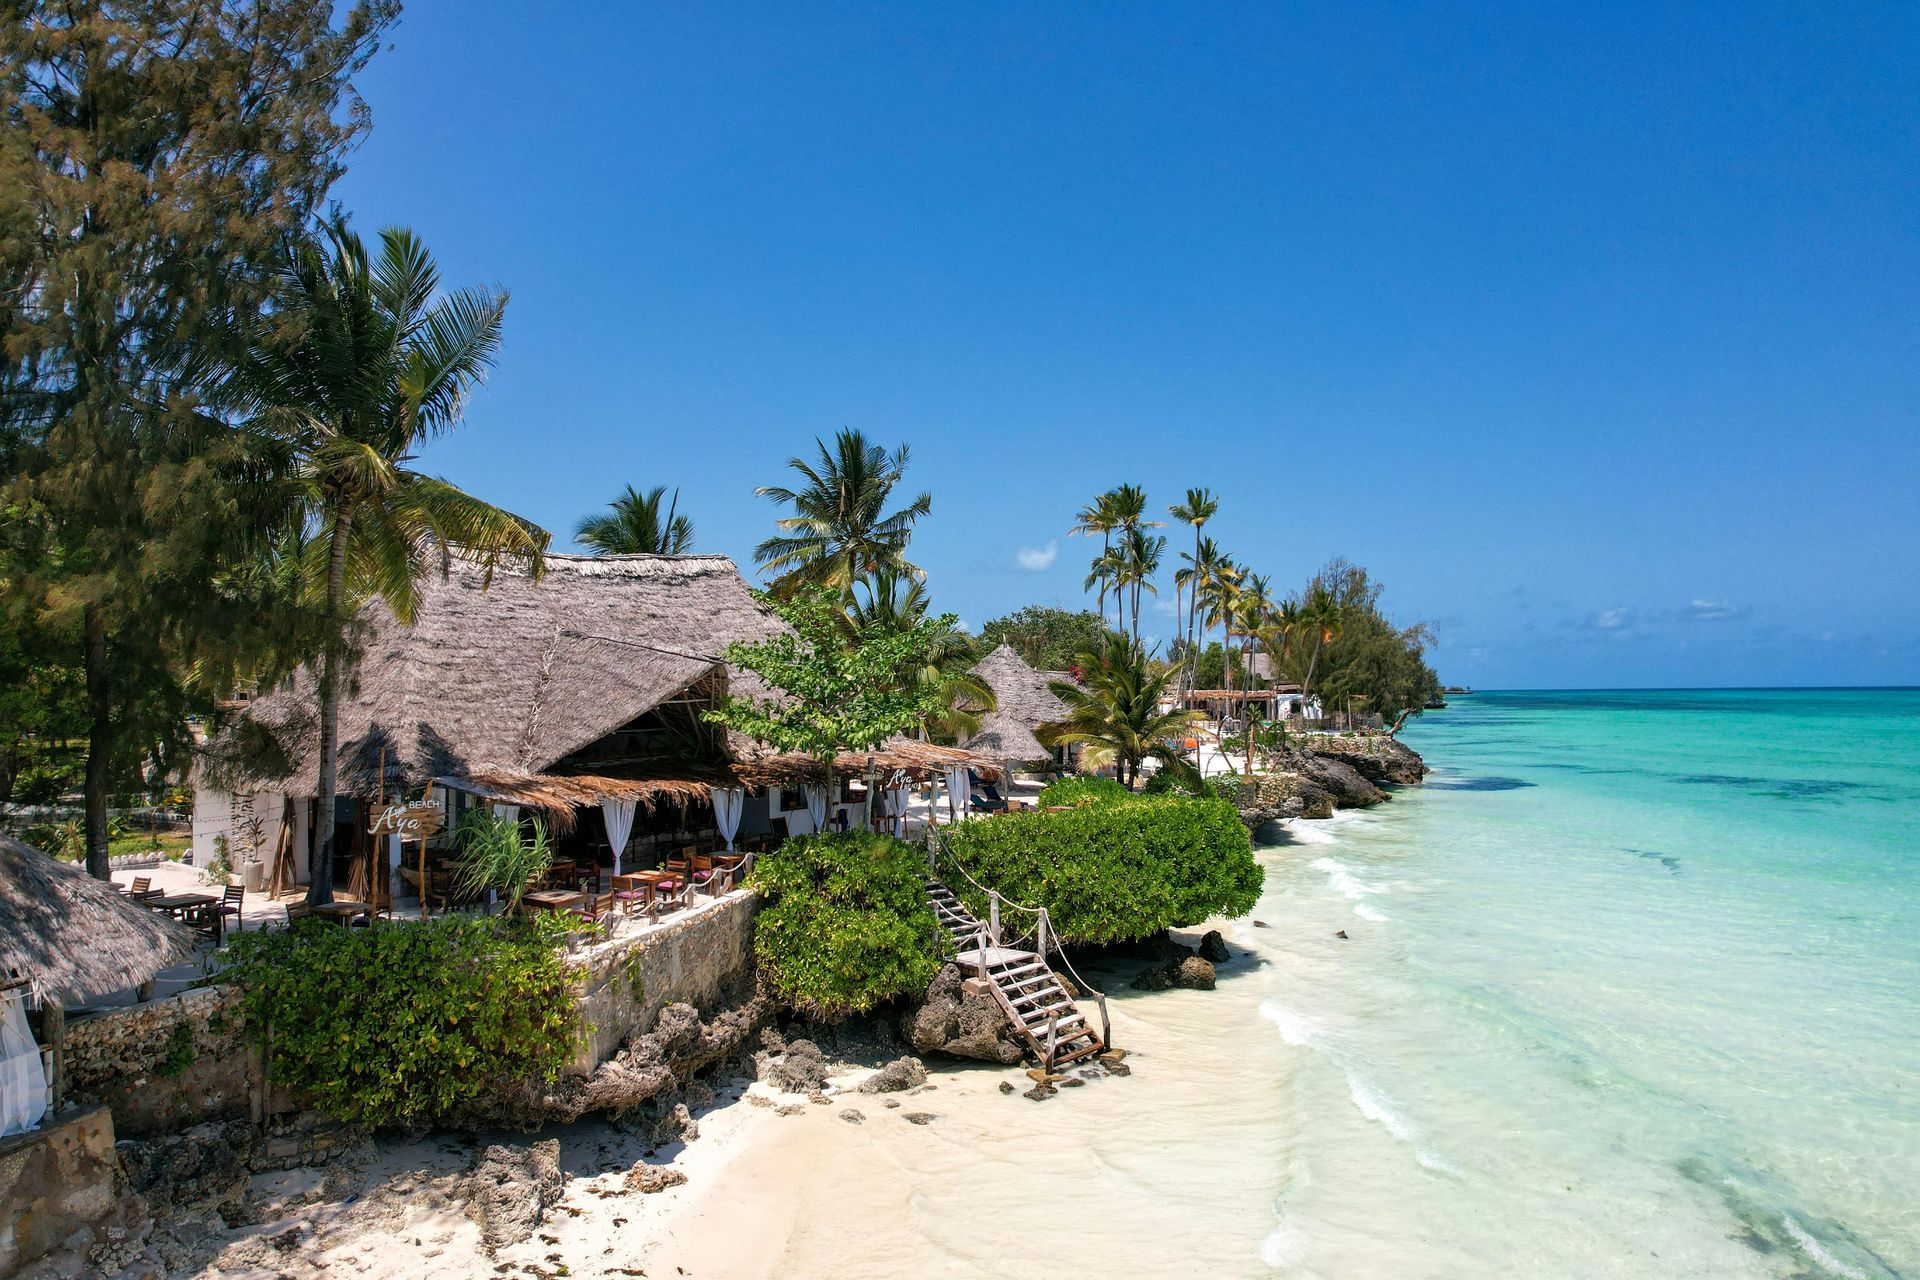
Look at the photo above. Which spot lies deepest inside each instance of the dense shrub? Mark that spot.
(846, 924)
(1113, 871)
(1087, 790)
(397, 1024)
(1188, 782)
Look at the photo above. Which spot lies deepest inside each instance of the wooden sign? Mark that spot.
(409, 821)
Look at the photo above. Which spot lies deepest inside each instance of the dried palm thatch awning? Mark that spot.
(1004, 737)
(557, 795)
(920, 761)
(73, 938)
(1237, 695)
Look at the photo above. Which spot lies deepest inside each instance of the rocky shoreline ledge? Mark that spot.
(1317, 773)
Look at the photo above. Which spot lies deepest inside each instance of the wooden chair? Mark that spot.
(298, 911)
(141, 885)
(599, 906)
(232, 899)
(630, 893)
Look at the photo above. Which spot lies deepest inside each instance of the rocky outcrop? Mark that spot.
(896, 1076)
(1277, 796)
(950, 1019)
(1213, 947)
(1378, 757)
(1348, 787)
(661, 1062)
(798, 1067)
(510, 1190)
(1188, 971)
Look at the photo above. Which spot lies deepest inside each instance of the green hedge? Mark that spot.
(1111, 872)
(846, 924)
(398, 1024)
(1083, 790)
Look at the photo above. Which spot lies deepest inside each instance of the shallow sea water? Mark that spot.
(1631, 987)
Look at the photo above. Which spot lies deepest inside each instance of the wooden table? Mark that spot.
(343, 909)
(552, 899)
(182, 906)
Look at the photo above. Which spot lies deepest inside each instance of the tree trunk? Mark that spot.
(100, 736)
(1306, 689)
(320, 891)
(1400, 721)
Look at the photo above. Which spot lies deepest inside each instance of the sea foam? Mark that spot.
(1295, 1027)
(1341, 880)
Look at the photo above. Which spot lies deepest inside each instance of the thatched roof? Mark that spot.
(918, 760)
(1025, 703)
(76, 939)
(557, 795)
(505, 678)
(1239, 695)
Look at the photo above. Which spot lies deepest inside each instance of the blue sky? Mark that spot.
(1590, 330)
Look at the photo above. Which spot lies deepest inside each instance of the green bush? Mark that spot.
(397, 1024)
(1111, 872)
(1086, 790)
(846, 924)
(1188, 782)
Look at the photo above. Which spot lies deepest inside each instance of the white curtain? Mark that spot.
(728, 804)
(817, 806)
(959, 790)
(619, 817)
(511, 812)
(893, 803)
(23, 1081)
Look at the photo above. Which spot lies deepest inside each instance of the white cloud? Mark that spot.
(1166, 608)
(1038, 559)
(1612, 619)
(1713, 610)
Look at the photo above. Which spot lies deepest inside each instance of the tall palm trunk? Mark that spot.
(1306, 688)
(100, 735)
(321, 889)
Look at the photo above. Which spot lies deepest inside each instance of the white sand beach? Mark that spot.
(1173, 1167)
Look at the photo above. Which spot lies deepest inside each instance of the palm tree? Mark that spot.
(1140, 558)
(1250, 612)
(1199, 507)
(1218, 591)
(1203, 575)
(351, 369)
(1106, 573)
(1114, 712)
(1323, 615)
(1099, 516)
(895, 602)
(1129, 513)
(841, 530)
(636, 527)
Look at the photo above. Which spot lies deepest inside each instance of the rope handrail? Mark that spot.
(1043, 921)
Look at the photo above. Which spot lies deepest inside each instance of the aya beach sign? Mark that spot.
(414, 821)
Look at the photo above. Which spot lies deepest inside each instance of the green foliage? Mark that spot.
(1046, 639)
(1178, 777)
(1112, 871)
(1114, 712)
(1082, 790)
(846, 923)
(890, 601)
(180, 1051)
(220, 868)
(493, 856)
(840, 530)
(155, 157)
(1361, 655)
(398, 1024)
(841, 693)
(637, 526)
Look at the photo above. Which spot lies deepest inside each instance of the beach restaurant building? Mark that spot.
(576, 696)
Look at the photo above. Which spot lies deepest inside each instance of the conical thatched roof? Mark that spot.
(73, 938)
(507, 676)
(1025, 703)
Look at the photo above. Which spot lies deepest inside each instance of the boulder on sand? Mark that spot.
(950, 1019)
(510, 1190)
(901, 1073)
(802, 1068)
(1213, 947)
(1194, 974)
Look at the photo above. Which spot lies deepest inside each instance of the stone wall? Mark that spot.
(166, 1064)
(704, 959)
(56, 1185)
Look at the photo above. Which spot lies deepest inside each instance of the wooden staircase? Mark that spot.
(1028, 991)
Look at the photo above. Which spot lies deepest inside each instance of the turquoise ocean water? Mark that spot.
(1631, 987)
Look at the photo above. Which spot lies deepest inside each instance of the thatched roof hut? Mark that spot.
(76, 939)
(1025, 703)
(507, 676)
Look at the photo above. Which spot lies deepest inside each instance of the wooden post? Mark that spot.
(53, 1020)
(993, 916)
